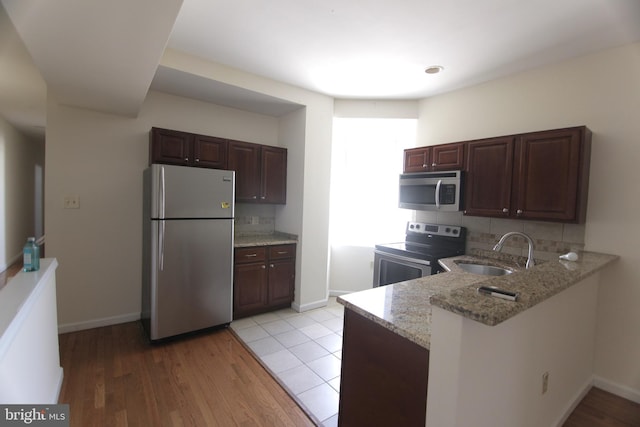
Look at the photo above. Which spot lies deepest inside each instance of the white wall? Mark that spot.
(288, 217)
(602, 92)
(491, 376)
(20, 157)
(100, 158)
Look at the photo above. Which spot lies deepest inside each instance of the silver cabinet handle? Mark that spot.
(251, 255)
(263, 267)
(505, 210)
(282, 252)
(186, 159)
(433, 164)
(271, 265)
(197, 160)
(424, 166)
(519, 212)
(254, 197)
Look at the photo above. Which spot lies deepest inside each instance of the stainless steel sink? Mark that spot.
(485, 270)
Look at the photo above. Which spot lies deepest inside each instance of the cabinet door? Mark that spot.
(281, 282)
(546, 177)
(417, 160)
(244, 158)
(209, 152)
(249, 289)
(170, 147)
(488, 177)
(447, 157)
(273, 187)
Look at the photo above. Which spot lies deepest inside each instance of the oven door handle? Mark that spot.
(402, 258)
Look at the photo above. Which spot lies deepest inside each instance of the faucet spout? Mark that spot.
(498, 246)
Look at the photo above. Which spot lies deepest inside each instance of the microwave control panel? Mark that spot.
(448, 194)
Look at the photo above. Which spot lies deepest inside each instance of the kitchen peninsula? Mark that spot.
(478, 350)
(30, 370)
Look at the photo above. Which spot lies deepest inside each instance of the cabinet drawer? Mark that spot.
(282, 251)
(251, 254)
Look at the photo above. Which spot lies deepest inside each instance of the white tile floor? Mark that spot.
(303, 352)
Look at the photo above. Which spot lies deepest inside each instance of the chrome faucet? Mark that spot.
(498, 246)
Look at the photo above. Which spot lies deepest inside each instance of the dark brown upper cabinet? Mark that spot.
(488, 177)
(273, 168)
(261, 172)
(534, 176)
(434, 158)
(244, 158)
(187, 149)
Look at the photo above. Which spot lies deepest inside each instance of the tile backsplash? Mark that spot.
(550, 238)
(254, 219)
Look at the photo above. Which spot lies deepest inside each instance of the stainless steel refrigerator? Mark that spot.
(187, 274)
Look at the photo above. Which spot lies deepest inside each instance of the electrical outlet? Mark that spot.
(72, 202)
(255, 220)
(545, 382)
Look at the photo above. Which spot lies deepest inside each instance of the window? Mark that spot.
(366, 161)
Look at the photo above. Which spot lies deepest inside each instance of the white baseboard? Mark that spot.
(617, 389)
(310, 306)
(97, 323)
(573, 403)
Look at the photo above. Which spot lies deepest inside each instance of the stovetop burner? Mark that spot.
(428, 242)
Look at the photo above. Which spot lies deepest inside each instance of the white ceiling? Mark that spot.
(104, 55)
(380, 48)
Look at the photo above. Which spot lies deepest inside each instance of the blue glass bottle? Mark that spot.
(31, 255)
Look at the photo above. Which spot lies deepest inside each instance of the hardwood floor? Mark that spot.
(114, 377)
(603, 409)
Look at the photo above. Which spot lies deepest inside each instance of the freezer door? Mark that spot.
(187, 192)
(192, 287)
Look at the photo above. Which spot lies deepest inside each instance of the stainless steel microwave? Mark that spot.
(431, 191)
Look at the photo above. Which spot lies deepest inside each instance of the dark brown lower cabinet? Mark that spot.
(384, 376)
(264, 279)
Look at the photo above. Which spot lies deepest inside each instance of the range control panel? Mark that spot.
(434, 229)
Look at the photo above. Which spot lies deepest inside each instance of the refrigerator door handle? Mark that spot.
(161, 200)
(161, 245)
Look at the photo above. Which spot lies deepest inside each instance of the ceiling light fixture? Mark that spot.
(434, 69)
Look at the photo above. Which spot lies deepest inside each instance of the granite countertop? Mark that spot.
(405, 307)
(276, 238)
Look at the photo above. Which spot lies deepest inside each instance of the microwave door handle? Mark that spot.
(438, 194)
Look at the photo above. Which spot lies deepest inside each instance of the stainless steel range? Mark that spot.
(418, 255)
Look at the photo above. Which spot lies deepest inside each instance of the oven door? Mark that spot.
(390, 268)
